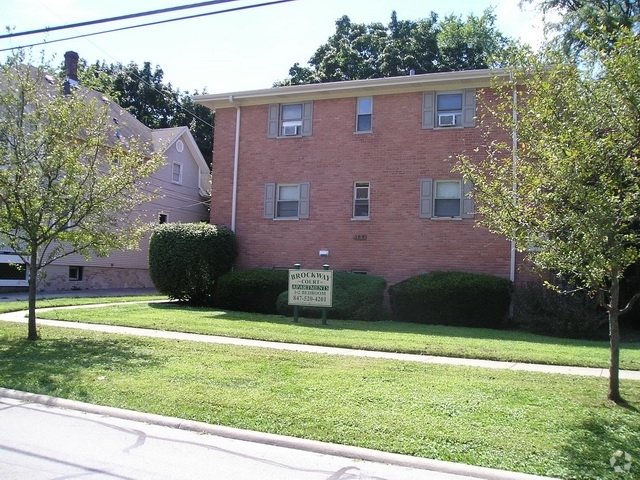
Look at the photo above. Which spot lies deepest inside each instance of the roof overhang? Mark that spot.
(352, 88)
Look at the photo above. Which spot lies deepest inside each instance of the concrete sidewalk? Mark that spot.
(293, 347)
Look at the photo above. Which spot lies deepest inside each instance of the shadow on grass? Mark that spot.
(596, 440)
(59, 366)
(391, 327)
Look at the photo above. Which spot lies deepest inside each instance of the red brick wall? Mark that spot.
(393, 158)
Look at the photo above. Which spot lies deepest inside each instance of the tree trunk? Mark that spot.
(614, 342)
(33, 277)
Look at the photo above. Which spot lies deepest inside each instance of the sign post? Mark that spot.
(311, 288)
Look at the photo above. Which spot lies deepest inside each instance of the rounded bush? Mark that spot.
(452, 298)
(254, 290)
(186, 259)
(355, 297)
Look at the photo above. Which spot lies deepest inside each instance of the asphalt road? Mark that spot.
(39, 442)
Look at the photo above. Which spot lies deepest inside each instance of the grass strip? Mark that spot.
(536, 423)
(385, 336)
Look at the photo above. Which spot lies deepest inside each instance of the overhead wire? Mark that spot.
(115, 19)
(213, 2)
(159, 22)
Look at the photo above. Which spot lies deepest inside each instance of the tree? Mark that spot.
(359, 51)
(68, 182)
(143, 93)
(579, 20)
(571, 185)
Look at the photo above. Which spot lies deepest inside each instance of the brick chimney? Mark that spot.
(70, 71)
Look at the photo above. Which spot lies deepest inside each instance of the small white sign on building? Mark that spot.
(311, 288)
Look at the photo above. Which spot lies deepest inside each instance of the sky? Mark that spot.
(226, 52)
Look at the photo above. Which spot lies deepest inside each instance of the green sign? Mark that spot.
(311, 288)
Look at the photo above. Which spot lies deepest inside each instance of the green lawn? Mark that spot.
(387, 336)
(554, 425)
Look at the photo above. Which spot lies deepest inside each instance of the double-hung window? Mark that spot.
(364, 114)
(176, 173)
(361, 192)
(290, 120)
(286, 200)
(449, 109)
(445, 199)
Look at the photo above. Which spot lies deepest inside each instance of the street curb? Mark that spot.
(356, 453)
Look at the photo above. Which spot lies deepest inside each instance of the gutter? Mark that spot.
(236, 159)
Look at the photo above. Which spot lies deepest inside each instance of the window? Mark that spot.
(446, 202)
(364, 114)
(176, 173)
(286, 200)
(75, 274)
(445, 199)
(290, 120)
(361, 200)
(449, 109)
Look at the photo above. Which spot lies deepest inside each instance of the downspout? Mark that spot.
(236, 157)
(514, 187)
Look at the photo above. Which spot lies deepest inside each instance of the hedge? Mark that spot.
(452, 298)
(253, 290)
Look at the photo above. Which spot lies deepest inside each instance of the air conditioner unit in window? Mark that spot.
(446, 119)
(290, 130)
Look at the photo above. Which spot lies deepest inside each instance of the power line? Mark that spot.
(114, 19)
(246, 7)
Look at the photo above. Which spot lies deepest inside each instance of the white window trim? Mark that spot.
(358, 114)
(459, 198)
(180, 172)
(353, 209)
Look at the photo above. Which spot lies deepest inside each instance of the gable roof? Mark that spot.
(164, 138)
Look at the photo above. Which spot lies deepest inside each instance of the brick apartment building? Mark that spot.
(354, 174)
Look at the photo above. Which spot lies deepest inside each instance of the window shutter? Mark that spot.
(307, 116)
(469, 108)
(303, 200)
(426, 197)
(468, 205)
(269, 200)
(274, 120)
(428, 109)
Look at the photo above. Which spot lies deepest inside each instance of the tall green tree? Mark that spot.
(360, 51)
(68, 182)
(141, 90)
(570, 185)
(583, 19)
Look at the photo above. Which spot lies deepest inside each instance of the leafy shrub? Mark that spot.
(186, 259)
(254, 290)
(355, 297)
(540, 310)
(452, 298)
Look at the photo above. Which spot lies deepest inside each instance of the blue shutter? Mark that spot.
(426, 197)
